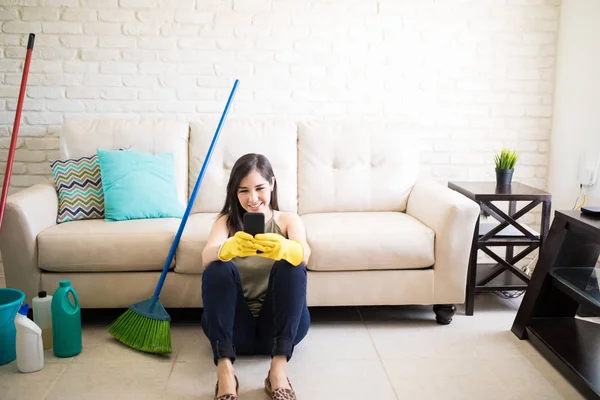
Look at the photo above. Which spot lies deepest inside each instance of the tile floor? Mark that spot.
(350, 353)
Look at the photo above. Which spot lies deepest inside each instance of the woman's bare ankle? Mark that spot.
(226, 377)
(278, 373)
(224, 365)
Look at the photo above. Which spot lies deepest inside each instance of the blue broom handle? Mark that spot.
(194, 194)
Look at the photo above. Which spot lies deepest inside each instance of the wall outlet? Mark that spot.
(586, 177)
(589, 161)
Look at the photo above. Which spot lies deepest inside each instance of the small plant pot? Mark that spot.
(504, 176)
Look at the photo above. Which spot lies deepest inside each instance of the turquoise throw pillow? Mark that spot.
(138, 185)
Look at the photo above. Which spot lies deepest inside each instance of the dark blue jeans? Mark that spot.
(229, 325)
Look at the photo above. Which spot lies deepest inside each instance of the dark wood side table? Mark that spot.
(566, 277)
(508, 232)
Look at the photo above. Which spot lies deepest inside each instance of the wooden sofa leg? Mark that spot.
(444, 313)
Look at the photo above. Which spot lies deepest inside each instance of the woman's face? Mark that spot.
(254, 193)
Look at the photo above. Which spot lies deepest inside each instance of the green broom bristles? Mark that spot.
(142, 333)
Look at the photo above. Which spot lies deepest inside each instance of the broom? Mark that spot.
(15, 132)
(145, 326)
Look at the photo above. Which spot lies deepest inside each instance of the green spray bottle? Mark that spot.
(66, 321)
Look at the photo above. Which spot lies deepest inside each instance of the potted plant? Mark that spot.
(505, 166)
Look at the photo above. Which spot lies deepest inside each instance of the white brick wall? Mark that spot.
(473, 75)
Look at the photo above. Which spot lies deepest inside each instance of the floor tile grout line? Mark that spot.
(387, 375)
(164, 392)
(45, 396)
(173, 364)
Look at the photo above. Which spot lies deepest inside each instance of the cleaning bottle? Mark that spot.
(30, 350)
(42, 316)
(66, 321)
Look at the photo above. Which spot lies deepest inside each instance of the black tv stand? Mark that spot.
(565, 279)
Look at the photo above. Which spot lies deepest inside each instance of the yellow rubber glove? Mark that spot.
(239, 245)
(277, 247)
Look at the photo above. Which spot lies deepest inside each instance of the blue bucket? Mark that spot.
(10, 302)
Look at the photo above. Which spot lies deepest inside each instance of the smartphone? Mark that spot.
(254, 223)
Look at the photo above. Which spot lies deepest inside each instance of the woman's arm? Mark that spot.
(218, 235)
(296, 231)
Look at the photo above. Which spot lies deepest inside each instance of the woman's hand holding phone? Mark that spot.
(276, 247)
(267, 245)
(239, 245)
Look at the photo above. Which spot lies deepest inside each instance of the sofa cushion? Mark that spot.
(275, 139)
(82, 138)
(188, 258)
(355, 166)
(97, 245)
(78, 183)
(138, 185)
(368, 241)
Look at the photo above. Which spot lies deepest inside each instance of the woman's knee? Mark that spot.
(283, 267)
(219, 271)
(303, 326)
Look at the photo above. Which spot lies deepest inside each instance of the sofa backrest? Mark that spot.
(355, 166)
(275, 139)
(321, 166)
(83, 137)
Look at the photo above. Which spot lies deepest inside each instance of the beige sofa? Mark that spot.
(380, 234)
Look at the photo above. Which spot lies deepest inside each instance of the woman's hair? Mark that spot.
(232, 209)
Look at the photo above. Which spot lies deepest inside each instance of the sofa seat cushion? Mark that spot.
(368, 241)
(98, 246)
(188, 258)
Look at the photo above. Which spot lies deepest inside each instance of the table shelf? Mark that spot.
(506, 281)
(508, 242)
(573, 347)
(508, 232)
(581, 284)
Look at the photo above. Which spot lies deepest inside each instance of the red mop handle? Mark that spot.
(15, 132)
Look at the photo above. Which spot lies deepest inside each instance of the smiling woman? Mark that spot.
(254, 287)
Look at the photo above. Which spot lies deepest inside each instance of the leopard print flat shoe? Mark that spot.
(228, 396)
(279, 393)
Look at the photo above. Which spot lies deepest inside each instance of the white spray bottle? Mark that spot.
(30, 349)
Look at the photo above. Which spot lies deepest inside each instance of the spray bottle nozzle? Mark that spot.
(24, 309)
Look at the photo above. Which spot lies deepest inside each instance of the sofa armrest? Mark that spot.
(452, 216)
(27, 213)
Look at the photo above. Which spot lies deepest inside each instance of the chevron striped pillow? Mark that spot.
(79, 186)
